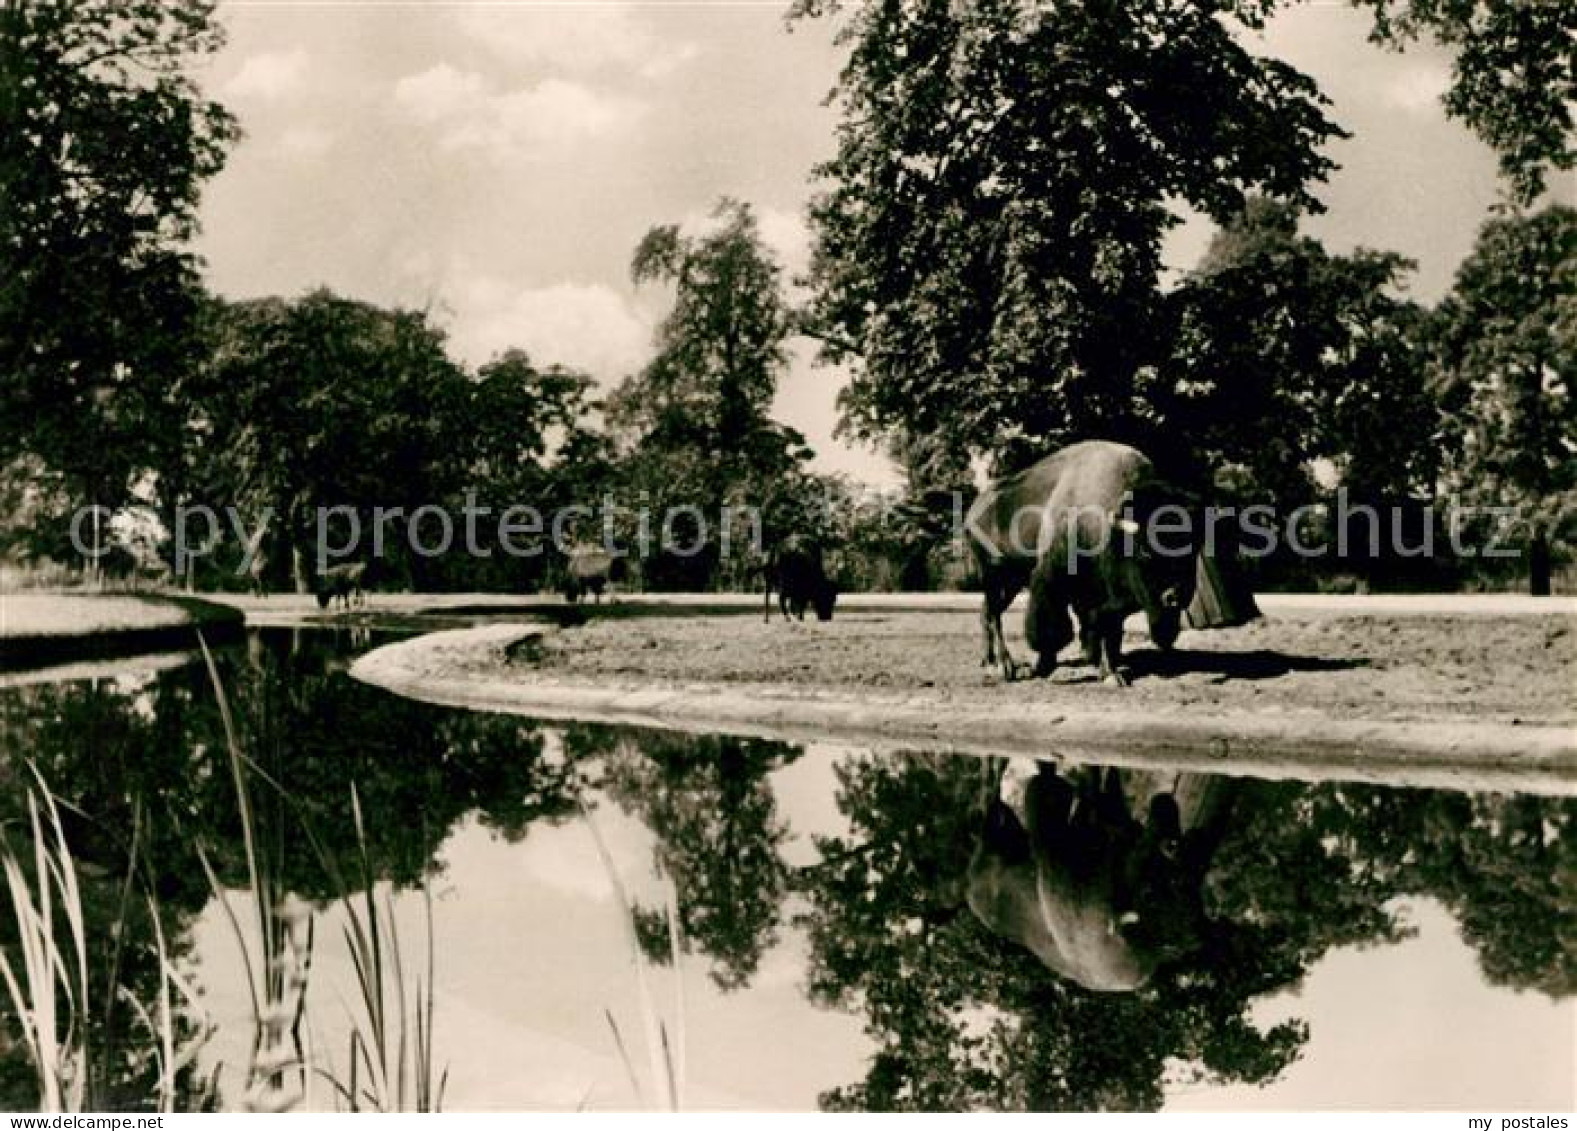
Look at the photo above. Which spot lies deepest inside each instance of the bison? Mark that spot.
(342, 582)
(587, 570)
(1083, 530)
(795, 570)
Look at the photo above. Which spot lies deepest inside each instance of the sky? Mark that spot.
(496, 163)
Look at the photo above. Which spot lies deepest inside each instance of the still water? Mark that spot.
(854, 930)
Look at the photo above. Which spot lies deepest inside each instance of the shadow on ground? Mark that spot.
(1261, 663)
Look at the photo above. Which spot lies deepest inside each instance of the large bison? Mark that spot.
(1098, 872)
(1093, 531)
(795, 570)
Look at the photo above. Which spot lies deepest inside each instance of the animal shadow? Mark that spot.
(1261, 663)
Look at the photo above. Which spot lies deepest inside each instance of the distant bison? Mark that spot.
(1078, 528)
(795, 570)
(587, 571)
(342, 582)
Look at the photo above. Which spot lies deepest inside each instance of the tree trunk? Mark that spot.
(1539, 563)
(298, 568)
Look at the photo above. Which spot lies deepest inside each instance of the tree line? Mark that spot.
(987, 264)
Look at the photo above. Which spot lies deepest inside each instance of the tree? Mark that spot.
(532, 442)
(328, 402)
(105, 142)
(1513, 81)
(1506, 367)
(1284, 354)
(696, 420)
(988, 246)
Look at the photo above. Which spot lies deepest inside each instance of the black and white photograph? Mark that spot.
(788, 556)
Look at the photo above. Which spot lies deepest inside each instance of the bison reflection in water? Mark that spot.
(1098, 872)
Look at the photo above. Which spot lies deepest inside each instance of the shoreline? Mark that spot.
(49, 629)
(469, 668)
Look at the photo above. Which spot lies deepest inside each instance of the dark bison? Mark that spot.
(1084, 530)
(342, 582)
(587, 570)
(795, 570)
(1098, 872)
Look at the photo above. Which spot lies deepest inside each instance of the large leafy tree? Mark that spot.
(988, 247)
(1284, 353)
(328, 402)
(532, 442)
(696, 421)
(105, 142)
(1506, 341)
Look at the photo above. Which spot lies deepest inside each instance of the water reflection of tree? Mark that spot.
(719, 839)
(311, 731)
(965, 1019)
(115, 750)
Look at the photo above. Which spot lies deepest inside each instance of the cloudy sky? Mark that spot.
(496, 163)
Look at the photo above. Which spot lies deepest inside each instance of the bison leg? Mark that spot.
(1110, 627)
(766, 608)
(1090, 639)
(995, 599)
(988, 656)
(1047, 624)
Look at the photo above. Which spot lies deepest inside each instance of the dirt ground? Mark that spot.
(1517, 670)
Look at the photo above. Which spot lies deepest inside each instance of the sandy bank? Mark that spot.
(1481, 702)
(43, 628)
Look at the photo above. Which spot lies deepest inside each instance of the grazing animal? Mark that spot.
(344, 583)
(795, 570)
(1078, 528)
(1097, 872)
(587, 571)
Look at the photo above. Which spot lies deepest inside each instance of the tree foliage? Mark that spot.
(1506, 370)
(105, 142)
(1513, 80)
(988, 246)
(719, 838)
(1284, 353)
(695, 424)
(326, 402)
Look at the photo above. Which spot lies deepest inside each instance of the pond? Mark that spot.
(852, 930)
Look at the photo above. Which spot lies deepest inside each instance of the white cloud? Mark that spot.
(470, 116)
(590, 327)
(1417, 86)
(305, 141)
(577, 39)
(270, 77)
(564, 858)
(439, 92)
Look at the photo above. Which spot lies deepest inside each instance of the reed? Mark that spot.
(391, 1064)
(49, 988)
(277, 957)
(666, 1059)
(49, 993)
